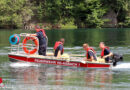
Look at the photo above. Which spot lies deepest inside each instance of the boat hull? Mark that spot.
(15, 57)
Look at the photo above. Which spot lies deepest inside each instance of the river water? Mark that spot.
(31, 76)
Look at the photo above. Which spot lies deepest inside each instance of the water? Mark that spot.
(31, 76)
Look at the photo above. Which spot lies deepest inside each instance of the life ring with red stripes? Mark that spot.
(35, 42)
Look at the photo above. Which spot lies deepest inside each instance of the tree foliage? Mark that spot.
(83, 13)
(15, 13)
(121, 8)
(88, 13)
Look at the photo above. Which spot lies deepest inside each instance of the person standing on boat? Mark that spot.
(105, 53)
(41, 35)
(90, 53)
(59, 48)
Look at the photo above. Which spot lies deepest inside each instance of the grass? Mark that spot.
(69, 26)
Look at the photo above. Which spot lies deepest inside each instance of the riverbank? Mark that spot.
(71, 27)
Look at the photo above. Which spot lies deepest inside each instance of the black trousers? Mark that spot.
(42, 50)
(107, 59)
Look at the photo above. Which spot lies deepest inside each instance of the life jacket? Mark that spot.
(42, 30)
(57, 44)
(102, 53)
(88, 49)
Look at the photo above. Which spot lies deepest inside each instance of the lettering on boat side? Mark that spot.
(45, 61)
(66, 63)
(56, 62)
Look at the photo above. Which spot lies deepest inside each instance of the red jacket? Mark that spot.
(1, 80)
(57, 44)
(102, 53)
(90, 48)
(43, 31)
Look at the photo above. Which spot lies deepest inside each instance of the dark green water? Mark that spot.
(30, 76)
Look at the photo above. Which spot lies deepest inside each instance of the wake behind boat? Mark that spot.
(21, 52)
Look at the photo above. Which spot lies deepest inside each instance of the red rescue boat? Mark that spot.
(54, 61)
(17, 54)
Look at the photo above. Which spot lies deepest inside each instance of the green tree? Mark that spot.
(58, 11)
(121, 8)
(83, 13)
(15, 13)
(88, 13)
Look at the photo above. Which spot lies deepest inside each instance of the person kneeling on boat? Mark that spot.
(42, 40)
(90, 53)
(59, 48)
(105, 53)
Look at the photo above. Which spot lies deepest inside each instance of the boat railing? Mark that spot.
(18, 48)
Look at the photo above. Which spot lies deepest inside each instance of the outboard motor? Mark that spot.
(116, 58)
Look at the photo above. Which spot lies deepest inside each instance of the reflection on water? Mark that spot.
(45, 75)
(51, 77)
(112, 37)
